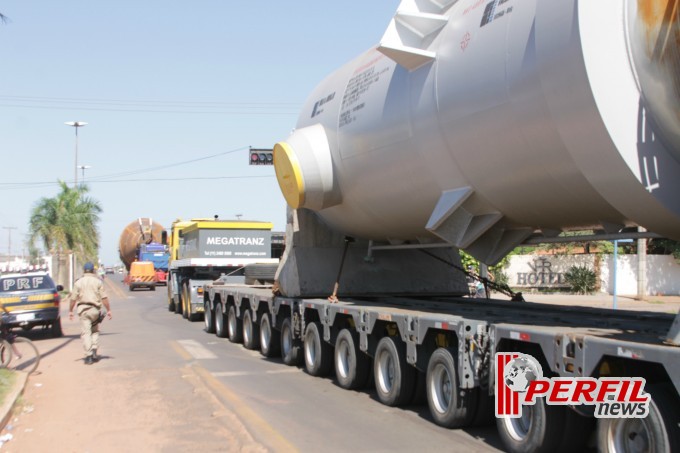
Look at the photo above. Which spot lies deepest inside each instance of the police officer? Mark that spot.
(88, 297)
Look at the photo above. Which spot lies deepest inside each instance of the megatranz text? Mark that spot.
(225, 240)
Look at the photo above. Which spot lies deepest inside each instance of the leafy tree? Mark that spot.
(67, 223)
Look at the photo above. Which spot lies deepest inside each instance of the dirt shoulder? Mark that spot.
(117, 405)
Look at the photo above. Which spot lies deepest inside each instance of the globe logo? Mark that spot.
(520, 372)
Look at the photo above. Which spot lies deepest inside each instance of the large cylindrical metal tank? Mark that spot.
(141, 231)
(481, 122)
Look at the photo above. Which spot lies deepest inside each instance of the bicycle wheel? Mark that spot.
(5, 353)
(26, 355)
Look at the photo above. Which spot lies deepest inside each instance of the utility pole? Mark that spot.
(9, 239)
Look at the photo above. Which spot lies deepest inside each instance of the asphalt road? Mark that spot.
(285, 409)
(282, 407)
(165, 385)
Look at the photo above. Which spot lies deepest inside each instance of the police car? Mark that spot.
(31, 299)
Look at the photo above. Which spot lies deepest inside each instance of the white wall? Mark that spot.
(547, 271)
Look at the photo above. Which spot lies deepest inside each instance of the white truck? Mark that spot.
(478, 125)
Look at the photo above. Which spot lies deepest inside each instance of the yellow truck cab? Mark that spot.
(142, 275)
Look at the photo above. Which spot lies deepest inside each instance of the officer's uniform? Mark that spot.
(88, 292)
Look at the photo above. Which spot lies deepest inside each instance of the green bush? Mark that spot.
(581, 279)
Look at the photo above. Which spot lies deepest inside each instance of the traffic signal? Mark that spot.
(261, 156)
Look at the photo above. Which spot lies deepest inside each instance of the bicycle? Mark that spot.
(19, 352)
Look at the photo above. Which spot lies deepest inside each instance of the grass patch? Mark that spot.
(656, 302)
(7, 378)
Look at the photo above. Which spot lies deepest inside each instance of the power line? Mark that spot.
(151, 106)
(112, 177)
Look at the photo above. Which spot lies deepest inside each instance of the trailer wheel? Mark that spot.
(450, 405)
(658, 432)
(290, 348)
(235, 326)
(539, 429)
(270, 340)
(352, 366)
(208, 317)
(251, 331)
(220, 327)
(318, 353)
(394, 378)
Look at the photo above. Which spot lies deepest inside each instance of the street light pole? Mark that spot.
(83, 168)
(76, 125)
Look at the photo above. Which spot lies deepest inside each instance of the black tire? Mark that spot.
(270, 339)
(352, 366)
(179, 300)
(186, 301)
(220, 322)
(234, 326)
(394, 378)
(658, 432)
(450, 405)
(152, 288)
(56, 330)
(317, 353)
(291, 353)
(30, 357)
(171, 300)
(208, 318)
(130, 288)
(540, 429)
(260, 273)
(251, 331)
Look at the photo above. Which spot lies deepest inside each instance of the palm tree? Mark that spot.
(67, 223)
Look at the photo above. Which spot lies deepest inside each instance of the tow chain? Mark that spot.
(498, 287)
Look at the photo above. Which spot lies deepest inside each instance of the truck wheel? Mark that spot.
(394, 378)
(186, 302)
(208, 318)
(55, 329)
(318, 353)
(171, 301)
(656, 433)
(450, 405)
(220, 323)
(251, 331)
(179, 301)
(270, 340)
(352, 366)
(539, 429)
(290, 348)
(235, 326)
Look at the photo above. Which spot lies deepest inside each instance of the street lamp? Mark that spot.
(83, 168)
(76, 125)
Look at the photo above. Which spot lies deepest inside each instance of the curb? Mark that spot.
(12, 396)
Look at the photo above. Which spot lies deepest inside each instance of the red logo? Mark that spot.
(466, 40)
(520, 381)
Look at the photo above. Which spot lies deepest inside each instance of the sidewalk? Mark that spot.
(126, 402)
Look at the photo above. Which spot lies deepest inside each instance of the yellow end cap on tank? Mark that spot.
(289, 175)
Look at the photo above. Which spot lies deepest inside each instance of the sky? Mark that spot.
(174, 94)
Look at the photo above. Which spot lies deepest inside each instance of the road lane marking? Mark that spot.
(253, 373)
(196, 349)
(119, 292)
(265, 432)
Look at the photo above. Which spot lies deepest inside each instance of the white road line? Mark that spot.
(252, 373)
(196, 349)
